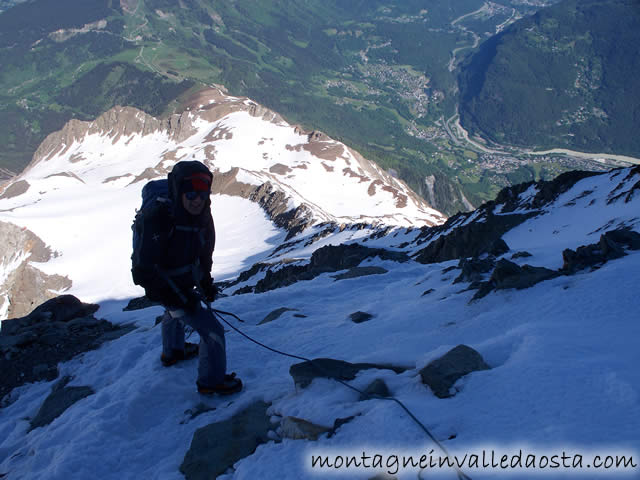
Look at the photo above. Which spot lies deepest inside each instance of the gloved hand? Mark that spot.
(210, 291)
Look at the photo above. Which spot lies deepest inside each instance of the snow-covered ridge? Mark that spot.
(561, 354)
(125, 145)
(84, 182)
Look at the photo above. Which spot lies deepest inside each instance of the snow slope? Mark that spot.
(563, 353)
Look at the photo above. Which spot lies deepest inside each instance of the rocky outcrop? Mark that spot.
(216, 447)
(473, 269)
(610, 246)
(276, 204)
(59, 400)
(479, 232)
(472, 239)
(511, 275)
(377, 388)
(441, 374)
(15, 189)
(300, 429)
(507, 274)
(357, 272)
(24, 286)
(304, 373)
(329, 258)
(360, 317)
(275, 314)
(546, 191)
(31, 347)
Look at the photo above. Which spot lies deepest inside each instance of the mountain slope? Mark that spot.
(560, 78)
(379, 76)
(562, 352)
(300, 178)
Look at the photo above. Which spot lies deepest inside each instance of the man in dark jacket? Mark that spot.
(177, 249)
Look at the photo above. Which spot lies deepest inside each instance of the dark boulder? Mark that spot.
(441, 374)
(61, 328)
(377, 388)
(357, 272)
(360, 317)
(611, 246)
(330, 258)
(275, 314)
(511, 275)
(304, 373)
(473, 269)
(139, 304)
(59, 400)
(216, 447)
(472, 240)
(59, 309)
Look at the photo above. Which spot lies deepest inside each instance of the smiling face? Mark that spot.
(194, 202)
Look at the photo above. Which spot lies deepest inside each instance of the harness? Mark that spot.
(193, 268)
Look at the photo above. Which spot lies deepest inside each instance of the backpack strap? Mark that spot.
(171, 284)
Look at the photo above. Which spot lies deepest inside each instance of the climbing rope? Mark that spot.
(220, 315)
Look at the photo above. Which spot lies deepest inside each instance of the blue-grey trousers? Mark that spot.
(212, 361)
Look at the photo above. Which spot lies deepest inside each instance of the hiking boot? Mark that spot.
(231, 384)
(190, 351)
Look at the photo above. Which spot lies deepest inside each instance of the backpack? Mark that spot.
(155, 196)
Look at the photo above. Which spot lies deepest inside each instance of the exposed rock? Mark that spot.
(474, 268)
(196, 411)
(356, 272)
(59, 309)
(139, 304)
(58, 401)
(360, 317)
(276, 314)
(299, 429)
(510, 275)
(25, 286)
(471, 240)
(441, 374)
(56, 331)
(546, 191)
(471, 234)
(428, 292)
(377, 388)
(216, 447)
(226, 183)
(15, 189)
(276, 204)
(304, 373)
(327, 259)
(520, 255)
(619, 192)
(610, 246)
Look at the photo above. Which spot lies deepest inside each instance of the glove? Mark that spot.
(210, 290)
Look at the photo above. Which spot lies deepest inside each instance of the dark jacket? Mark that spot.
(177, 247)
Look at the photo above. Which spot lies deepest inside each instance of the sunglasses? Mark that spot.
(193, 195)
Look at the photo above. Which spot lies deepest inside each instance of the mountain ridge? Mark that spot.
(353, 286)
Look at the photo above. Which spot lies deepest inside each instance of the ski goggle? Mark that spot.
(198, 182)
(193, 195)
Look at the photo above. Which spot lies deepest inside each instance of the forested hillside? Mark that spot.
(564, 77)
